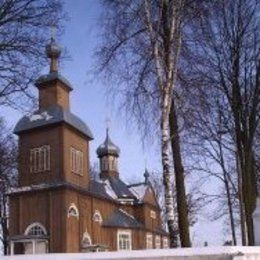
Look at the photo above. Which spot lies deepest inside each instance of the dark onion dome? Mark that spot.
(108, 148)
(53, 50)
(146, 176)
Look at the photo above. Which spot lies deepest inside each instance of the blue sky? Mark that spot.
(89, 102)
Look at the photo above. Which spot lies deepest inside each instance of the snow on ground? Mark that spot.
(236, 253)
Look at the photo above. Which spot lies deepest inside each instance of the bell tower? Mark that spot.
(53, 142)
(108, 154)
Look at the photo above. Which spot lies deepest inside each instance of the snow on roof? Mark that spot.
(109, 190)
(28, 188)
(139, 191)
(42, 116)
(126, 213)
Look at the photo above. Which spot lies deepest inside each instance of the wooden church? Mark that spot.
(57, 207)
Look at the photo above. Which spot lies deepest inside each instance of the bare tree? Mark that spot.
(8, 177)
(24, 26)
(214, 147)
(140, 51)
(225, 49)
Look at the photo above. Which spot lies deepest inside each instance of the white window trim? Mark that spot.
(157, 241)
(27, 230)
(40, 159)
(86, 236)
(124, 232)
(76, 161)
(153, 214)
(149, 240)
(74, 207)
(97, 216)
(165, 242)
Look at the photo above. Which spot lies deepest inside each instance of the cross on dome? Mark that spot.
(53, 51)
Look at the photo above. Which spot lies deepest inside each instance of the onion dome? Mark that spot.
(146, 176)
(53, 50)
(108, 148)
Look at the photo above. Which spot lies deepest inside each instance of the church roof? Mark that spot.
(138, 190)
(120, 188)
(54, 75)
(122, 219)
(112, 188)
(50, 116)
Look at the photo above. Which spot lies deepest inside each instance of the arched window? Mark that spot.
(73, 211)
(35, 229)
(97, 216)
(86, 240)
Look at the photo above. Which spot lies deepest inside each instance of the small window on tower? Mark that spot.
(76, 158)
(40, 159)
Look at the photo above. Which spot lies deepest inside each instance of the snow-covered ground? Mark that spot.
(205, 253)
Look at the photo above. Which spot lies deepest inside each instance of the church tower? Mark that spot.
(53, 160)
(108, 154)
(53, 142)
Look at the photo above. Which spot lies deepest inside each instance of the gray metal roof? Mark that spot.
(99, 189)
(122, 219)
(120, 188)
(108, 147)
(44, 79)
(52, 115)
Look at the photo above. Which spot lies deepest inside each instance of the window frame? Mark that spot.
(86, 235)
(34, 225)
(97, 216)
(157, 242)
(152, 214)
(165, 243)
(76, 161)
(73, 207)
(124, 232)
(40, 159)
(149, 240)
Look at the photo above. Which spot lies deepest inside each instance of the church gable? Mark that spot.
(150, 197)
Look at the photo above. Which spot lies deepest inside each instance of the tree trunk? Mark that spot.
(230, 210)
(165, 151)
(182, 206)
(241, 203)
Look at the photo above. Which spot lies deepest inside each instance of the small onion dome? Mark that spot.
(146, 176)
(53, 50)
(108, 148)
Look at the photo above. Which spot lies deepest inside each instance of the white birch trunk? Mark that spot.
(167, 174)
(165, 64)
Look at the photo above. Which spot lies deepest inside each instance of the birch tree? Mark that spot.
(139, 53)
